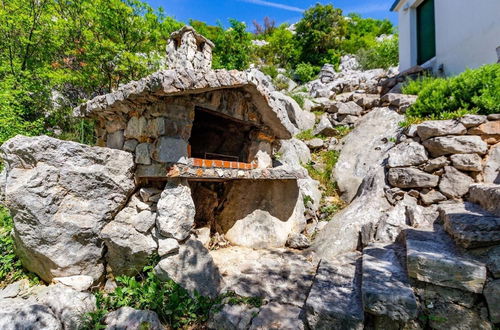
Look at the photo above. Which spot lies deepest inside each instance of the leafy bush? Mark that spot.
(383, 54)
(305, 72)
(473, 91)
(300, 99)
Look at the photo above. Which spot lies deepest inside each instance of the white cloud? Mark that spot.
(275, 5)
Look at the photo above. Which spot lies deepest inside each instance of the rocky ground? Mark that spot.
(403, 230)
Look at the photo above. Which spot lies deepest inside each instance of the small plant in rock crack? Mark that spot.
(233, 299)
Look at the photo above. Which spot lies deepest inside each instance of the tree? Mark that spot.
(320, 33)
(281, 49)
(233, 47)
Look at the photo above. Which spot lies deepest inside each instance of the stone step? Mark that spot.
(432, 257)
(334, 301)
(487, 195)
(470, 225)
(386, 288)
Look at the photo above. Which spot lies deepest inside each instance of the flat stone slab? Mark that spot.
(470, 225)
(275, 274)
(168, 171)
(432, 257)
(486, 195)
(278, 316)
(386, 289)
(334, 301)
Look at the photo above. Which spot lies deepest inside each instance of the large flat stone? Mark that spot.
(470, 226)
(334, 301)
(433, 258)
(275, 274)
(386, 289)
(435, 128)
(409, 177)
(445, 145)
(407, 154)
(278, 316)
(492, 294)
(486, 195)
(454, 184)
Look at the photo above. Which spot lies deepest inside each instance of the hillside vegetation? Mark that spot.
(55, 54)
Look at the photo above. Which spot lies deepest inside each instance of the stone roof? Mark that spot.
(177, 35)
(184, 82)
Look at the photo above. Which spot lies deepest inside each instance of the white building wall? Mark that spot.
(467, 34)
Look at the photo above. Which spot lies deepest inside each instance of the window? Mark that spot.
(426, 32)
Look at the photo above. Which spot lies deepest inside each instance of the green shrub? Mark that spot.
(305, 72)
(300, 99)
(382, 55)
(270, 70)
(473, 91)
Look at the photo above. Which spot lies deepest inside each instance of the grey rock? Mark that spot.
(261, 214)
(435, 128)
(342, 232)
(472, 120)
(130, 145)
(23, 314)
(14, 289)
(324, 127)
(436, 164)
(486, 195)
(315, 143)
(495, 116)
(432, 258)
(364, 148)
(407, 154)
(491, 172)
(299, 119)
(232, 317)
(386, 289)
(278, 316)
(411, 178)
(77, 282)
(192, 268)
(128, 238)
(346, 108)
(432, 197)
(446, 145)
(170, 150)
(367, 101)
(67, 304)
(454, 184)
(470, 226)
(273, 274)
(64, 192)
(115, 140)
(298, 241)
(335, 298)
(294, 152)
(436, 294)
(147, 193)
(456, 317)
(176, 210)
(142, 154)
(467, 162)
(422, 217)
(167, 246)
(136, 128)
(494, 261)
(127, 318)
(309, 187)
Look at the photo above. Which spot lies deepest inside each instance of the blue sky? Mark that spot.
(210, 11)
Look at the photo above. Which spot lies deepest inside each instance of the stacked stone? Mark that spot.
(439, 160)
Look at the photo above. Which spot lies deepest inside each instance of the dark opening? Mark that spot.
(214, 136)
(426, 32)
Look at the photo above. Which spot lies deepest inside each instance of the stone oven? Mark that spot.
(212, 131)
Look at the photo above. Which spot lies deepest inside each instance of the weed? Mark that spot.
(300, 99)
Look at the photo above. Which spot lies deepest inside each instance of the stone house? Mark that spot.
(448, 36)
(212, 129)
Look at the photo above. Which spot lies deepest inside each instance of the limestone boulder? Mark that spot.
(294, 153)
(309, 189)
(492, 294)
(365, 148)
(192, 268)
(407, 154)
(176, 210)
(278, 316)
(408, 177)
(472, 120)
(467, 162)
(324, 127)
(77, 282)
(445, 145)
(454, 316)
(129, 238)
(454, 184)
(435, 128)
(61, 195)
(19, 313)
(67, 304)
(299, 119)
(127, 318)
(346, 108)
(315, 143)
(261, 214)
(436, 164)
(232, 317)
(491, 170)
